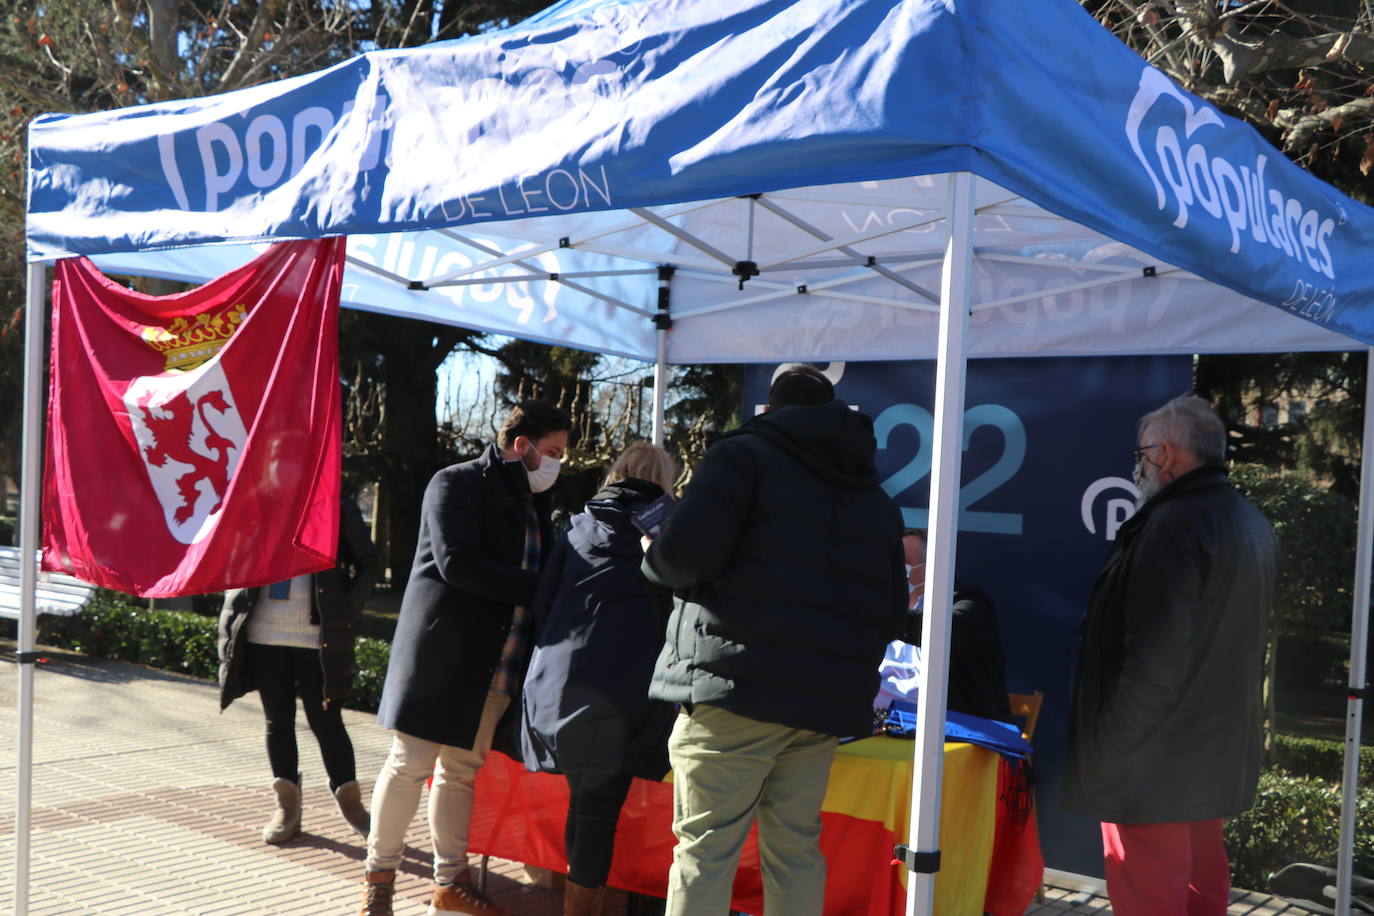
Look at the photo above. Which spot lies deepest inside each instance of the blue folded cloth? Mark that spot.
(1002, 737)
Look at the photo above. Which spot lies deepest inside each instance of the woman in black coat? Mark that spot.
(586, 710)
(295, 639)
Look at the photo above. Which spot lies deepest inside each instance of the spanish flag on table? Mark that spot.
(990, 853)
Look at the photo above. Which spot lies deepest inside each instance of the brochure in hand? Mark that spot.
(650, 519)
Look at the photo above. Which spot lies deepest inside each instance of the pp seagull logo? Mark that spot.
(1115, 510)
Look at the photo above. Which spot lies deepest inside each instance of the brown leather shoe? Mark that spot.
(582, 901)
(462, 897)
(378, 889)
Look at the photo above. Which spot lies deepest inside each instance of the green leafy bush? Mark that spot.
(8, 536)
(1315, 528)
(373, 655)
(1318, 758)
(1295, 819)
(116, 626)
(113, 627)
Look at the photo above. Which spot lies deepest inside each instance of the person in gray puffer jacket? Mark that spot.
(786, 559)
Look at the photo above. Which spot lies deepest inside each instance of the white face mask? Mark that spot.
(543, 477)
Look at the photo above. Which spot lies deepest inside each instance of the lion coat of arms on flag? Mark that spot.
(194, 441)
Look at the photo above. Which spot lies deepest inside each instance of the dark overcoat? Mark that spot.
(1166, 715)
(463, 588)
(600, 623)
(336, 600)
(977, 667)
(786, 559)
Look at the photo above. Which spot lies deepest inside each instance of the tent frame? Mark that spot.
(958, 259)
(1359, 628)
(29, 489)
(719, 266)
(951, 370)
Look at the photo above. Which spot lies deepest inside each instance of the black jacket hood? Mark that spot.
(604, 528)
(832, 441)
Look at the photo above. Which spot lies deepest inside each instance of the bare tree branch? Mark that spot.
(1301, 128)
(250, 47)
(16, 77)
(1280, 52)
(161, 46)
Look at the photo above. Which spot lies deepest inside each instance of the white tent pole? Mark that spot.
(1359, 628)
(956, 280)
(31, 474)
(663, 322)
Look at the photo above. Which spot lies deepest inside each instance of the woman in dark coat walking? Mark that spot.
(295, 639)
(586, 710)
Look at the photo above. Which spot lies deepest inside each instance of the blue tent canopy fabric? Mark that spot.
(605, 107)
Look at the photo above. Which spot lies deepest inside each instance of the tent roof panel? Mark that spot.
(594, 118)
(1041, 284)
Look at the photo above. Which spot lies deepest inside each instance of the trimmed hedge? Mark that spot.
(111, 626)
(1317, 758)
(1295, 819)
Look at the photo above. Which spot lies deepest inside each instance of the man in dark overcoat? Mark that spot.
(460, 638)
(1165, 730)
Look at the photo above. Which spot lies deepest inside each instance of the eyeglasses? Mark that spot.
(1138, 454)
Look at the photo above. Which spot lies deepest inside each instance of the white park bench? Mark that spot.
(57, 593)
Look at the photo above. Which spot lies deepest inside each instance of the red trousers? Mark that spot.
(1175, 869)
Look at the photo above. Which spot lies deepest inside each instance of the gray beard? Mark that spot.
(1148, 487)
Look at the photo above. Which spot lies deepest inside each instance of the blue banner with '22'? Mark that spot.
(1045, 484)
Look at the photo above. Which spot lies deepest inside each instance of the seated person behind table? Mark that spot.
(977, 668)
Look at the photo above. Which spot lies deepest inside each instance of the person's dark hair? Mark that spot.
(800, 385)
(915, 532)
(534, 420)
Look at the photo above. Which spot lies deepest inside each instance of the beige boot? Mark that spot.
(349, 798)
(582, 901)
(378, 889)
(286, 822)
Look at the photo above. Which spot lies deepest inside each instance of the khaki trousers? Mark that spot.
(397, 794)
(728, 769)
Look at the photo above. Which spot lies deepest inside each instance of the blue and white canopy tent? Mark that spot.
(685, 181)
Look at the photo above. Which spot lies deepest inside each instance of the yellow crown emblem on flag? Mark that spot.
(189, 342)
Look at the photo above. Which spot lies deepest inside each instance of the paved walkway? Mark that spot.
(147, 800)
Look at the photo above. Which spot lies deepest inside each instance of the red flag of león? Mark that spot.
(193, 439)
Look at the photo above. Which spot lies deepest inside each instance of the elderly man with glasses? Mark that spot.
(1164, 737)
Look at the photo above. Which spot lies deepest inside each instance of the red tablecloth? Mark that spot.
(990, 847)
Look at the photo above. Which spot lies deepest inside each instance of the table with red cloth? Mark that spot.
(990, 848)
